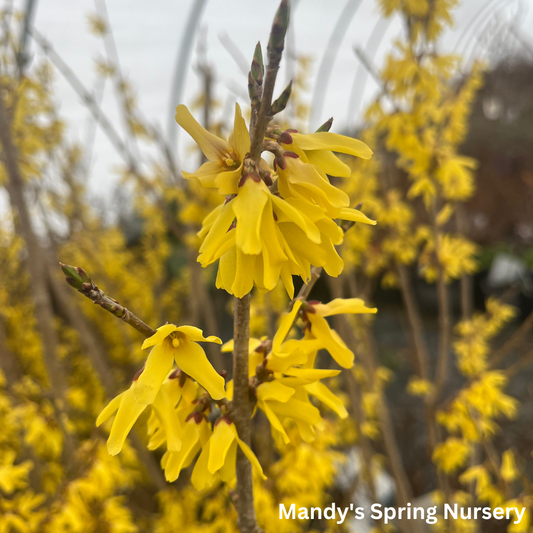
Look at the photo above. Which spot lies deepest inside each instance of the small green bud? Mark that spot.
(281, 103)
(76, 276)
(326, 126)
(258, 69)
(279, 27)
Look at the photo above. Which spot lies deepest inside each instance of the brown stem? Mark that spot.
(242, 412)
(444, 333)
(514, 341)
(9, 363)
(242, 408)
(415, 321)
(522, 363)
(416, 326)
(275, 50)
(466, 284)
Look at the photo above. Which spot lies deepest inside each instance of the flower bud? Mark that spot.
(281, 103)
(279, 28)
(76, 276)
(258, 68)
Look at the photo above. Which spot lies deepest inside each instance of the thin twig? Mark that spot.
(515, 340)
(89, 289)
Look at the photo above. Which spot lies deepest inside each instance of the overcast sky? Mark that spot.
(148, 35)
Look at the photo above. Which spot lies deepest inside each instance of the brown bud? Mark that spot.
(285, 138)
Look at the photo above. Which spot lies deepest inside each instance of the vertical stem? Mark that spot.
(444, 333)
(443, 299)
(241, 405)
(466, 280)
(413, 315)
(417, 328)
(242, 412)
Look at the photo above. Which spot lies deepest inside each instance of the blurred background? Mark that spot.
(101, 163)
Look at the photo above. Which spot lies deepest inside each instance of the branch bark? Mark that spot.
(242, 412)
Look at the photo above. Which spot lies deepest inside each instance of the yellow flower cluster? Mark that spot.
(285, 375)
(261, 232)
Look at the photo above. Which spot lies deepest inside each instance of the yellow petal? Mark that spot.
(287, 212)
(329, 163)
(190, 442)
(226, 270)
(159, 336)
(330, 340)
(201, 478)
(312, 183)
(253, 343)
(311, 374)
(223, 437)
(227, 182)
(212, 146)
(333, 265)
(333, 142)
(274, 390)
(273, 256)
(197, 335)
(248, 208)
(355, 216)
(189, 391)
(283, 363)
(127, 414)
(331, 230)
(307, 431)
(286, 277)
(240, 138)
(274, 421)
(320, 391)
(219, 228)
(158, 365)
(244, 274)
(251, 457)
(228, 470)
(343, 306)
(302, 247)
(285, 326)
(297, 410)
(191, 358)
(206, 174)
(109, 410)
(169, 420)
